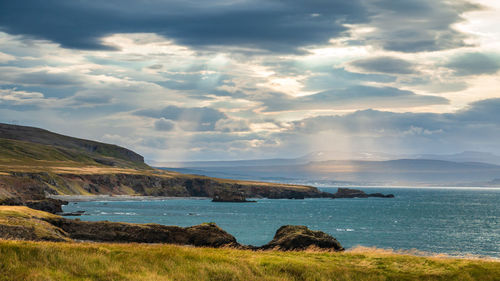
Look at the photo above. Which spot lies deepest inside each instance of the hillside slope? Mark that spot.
(27, 144)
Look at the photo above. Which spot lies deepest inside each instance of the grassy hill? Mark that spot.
(30, 146)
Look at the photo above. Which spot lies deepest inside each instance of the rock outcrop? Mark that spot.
(356, 193)
(50, 205)
(299, 237)
(228, 196)
(208, 234)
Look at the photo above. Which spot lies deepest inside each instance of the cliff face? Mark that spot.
(151, 185)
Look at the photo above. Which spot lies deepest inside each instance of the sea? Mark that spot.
(452, 221)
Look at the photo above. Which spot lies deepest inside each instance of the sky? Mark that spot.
(236, 79)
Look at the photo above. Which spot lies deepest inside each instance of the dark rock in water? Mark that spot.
(356, 193)
(229, 196)
(209, 234)
(381, 195)
(299, 237)
(77, 213)
(350, 193)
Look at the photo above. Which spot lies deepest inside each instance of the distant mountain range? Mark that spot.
(463, 169)
(466, 156)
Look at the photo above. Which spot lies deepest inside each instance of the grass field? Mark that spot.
(27, 260)
(94, 261)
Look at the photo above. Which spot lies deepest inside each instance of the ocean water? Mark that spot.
(453, 221)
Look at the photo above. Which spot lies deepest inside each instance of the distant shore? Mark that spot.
(91, 198)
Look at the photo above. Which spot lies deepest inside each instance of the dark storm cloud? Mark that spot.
(484, 114)
(474, 64)
(272, 25)
(484, 111)
(189, 119)
(356, 96)
(385, 65)
(418, 25)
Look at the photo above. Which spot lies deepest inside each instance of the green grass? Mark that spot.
(96, 261)
(22, 153)
(27, 153)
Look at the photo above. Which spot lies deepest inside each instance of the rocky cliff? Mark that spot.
(37, 184)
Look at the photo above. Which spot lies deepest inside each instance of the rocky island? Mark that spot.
(356, 193)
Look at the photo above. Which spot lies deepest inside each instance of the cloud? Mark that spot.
(480, 112)
(278, 26)
(474, 64)
(247, 79)
(476, 127)
(163, 124)
(270, 25)
(417, 25)
(189, 119)
(352, 97)
(17, 96)
(4, 58)
(388, 65)
(231, 125)
(38, 77)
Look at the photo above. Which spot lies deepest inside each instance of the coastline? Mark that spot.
(98, 198)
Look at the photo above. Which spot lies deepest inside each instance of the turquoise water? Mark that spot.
(452, 221)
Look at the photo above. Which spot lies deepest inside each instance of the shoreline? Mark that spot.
(97, 198)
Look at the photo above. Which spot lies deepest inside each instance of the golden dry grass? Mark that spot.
(23, 222)
(23, 212)
(96, 261)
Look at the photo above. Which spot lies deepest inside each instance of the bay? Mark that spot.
(455, 221)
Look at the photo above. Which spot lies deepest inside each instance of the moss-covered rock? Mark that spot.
(299, 237)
